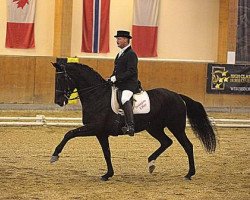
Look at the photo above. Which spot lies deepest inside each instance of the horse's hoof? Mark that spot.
(151, 166)
(187, 177)
(54, 159)
(104, 178)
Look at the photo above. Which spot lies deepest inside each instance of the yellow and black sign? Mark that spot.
(228, 79)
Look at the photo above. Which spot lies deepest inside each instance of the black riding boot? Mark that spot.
(129, 119)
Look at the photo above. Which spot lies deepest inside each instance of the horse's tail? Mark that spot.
(200, 123)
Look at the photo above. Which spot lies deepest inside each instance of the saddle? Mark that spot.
(141, 102)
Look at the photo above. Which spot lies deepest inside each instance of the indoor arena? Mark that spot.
(69, 129)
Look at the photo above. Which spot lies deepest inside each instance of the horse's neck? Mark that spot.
(96, 98)
(95, 106)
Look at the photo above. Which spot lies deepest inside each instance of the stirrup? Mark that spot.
(128, 130)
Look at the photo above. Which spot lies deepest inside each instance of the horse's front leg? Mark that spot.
(83, 131)
(104, 142)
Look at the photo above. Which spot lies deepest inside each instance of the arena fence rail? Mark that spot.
(41, 120)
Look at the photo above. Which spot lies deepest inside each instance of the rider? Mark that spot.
(125, 77)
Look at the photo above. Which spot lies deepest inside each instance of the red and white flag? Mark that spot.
(145, 27)
(20, 24)
(95, 26)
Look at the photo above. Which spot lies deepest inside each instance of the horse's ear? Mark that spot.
(54, 64)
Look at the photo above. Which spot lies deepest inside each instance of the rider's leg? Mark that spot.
(128, 112)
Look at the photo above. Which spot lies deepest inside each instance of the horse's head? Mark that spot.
(64, 85)
(71, 76)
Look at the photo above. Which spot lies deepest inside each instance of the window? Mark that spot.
(243, 33)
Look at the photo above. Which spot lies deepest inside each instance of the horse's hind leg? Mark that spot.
(158, 133)
(182, 138)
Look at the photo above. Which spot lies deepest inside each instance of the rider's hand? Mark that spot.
(113, 79)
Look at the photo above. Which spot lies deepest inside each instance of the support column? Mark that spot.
(62, 28)
(227, 28)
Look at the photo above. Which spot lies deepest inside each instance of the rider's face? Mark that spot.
(121, 42)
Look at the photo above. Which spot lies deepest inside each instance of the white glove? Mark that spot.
(113, 79)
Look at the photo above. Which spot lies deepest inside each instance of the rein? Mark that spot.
(87, 90)
(67, 93)
(91, 88)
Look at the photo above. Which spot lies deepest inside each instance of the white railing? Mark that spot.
(41, 120)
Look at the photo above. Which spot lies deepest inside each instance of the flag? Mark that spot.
(145, 27)
(95, 26)
(20, 24)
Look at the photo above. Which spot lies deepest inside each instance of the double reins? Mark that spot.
(67, 93)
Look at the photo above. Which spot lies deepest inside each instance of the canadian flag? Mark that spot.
(20, 24)
(145, 27)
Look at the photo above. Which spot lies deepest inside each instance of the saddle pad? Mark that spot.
(141, 102)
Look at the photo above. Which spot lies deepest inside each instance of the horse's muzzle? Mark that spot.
(61, 101)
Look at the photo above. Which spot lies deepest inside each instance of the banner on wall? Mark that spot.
(145, 27)
(228, 79)
(20, 24)
(95, 26)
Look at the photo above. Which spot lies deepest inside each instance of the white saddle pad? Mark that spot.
(141, 102)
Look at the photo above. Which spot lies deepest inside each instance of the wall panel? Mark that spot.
(31, 80)
(17, 79)
(177, 76)
(44, 80)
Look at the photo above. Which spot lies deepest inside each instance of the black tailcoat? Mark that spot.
(126, 71)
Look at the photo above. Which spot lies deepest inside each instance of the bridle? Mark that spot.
(67, 92)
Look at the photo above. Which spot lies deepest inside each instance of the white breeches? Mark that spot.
(126, 96)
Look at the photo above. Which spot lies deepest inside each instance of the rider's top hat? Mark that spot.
(123, 34)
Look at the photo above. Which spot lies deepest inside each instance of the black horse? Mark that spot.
(168, 109)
